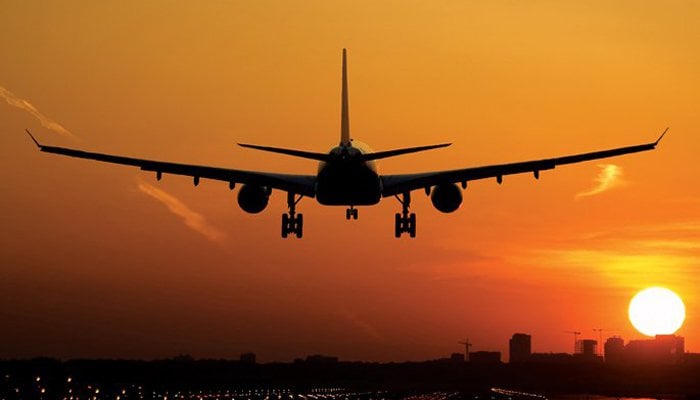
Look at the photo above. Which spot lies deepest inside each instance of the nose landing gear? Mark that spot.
(293, 223)
(405, 222)
(351, 213)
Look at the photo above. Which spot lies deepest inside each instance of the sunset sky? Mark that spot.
(100, 260)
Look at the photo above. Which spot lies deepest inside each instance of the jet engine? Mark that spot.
(253, 199)
(446, 197)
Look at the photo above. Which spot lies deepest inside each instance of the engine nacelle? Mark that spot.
(253, 199)
(446, 197)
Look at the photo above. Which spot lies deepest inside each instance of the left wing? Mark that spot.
(396, 184)
(299, 184)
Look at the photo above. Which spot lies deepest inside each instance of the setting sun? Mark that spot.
(657, 311)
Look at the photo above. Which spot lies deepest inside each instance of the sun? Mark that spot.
(657, 311)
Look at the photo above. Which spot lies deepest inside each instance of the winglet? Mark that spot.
(33, 138)
(661, 137)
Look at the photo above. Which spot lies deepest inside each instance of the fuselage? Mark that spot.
(347, 179)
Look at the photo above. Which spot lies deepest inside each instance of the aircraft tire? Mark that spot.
(300, 226)
(397, 225)
(412, 225)
(285, 225)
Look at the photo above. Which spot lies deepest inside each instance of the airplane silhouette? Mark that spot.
(347, 175)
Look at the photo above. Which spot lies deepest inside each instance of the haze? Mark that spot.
(103, 261)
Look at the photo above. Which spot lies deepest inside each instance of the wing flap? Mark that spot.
(396, 184)
(299, 184)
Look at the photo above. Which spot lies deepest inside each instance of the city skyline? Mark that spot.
(103, 262)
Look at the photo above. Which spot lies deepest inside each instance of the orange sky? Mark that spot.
(103, 261)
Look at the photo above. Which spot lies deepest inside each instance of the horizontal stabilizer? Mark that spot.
(397, 152)
(290, 152)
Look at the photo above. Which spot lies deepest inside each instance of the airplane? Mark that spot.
(348, 176)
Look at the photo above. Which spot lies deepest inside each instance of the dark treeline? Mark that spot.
(187, 374)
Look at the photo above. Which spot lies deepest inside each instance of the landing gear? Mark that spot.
(351, 213)
(292, 223)
(405, 222)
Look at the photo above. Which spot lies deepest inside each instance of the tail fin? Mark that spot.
(344, 117)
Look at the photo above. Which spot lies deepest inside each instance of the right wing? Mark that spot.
(397, 184)
(299, 184)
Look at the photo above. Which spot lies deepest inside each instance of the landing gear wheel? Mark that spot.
(299, 229)
(292, 223)
(285, 225)
(405, 222)
(397, 226)
(351, 213)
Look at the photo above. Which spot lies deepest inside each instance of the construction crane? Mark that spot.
(467, 345)
(575, 333)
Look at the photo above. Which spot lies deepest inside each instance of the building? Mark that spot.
(457, 358)
(321, 359)
(520, 348)
(586, 347)
(247, 358)
(691, 359)
(614, 350)
(485, 357)
(663, 349)
(551, 358)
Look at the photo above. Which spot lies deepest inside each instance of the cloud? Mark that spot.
(362, 326)
(192, 219)
(609, 177)
(627, 256)
(25, 105)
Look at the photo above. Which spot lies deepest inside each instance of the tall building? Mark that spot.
(520, 348)
(586, 347)
(614, 350)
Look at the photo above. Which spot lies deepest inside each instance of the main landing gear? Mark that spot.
(405, 222)
(351, 213)
(292, 223)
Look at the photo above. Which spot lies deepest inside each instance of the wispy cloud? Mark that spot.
(25, 105)
(609, 177)
(362, 326)
(629, 256)
(192, 219)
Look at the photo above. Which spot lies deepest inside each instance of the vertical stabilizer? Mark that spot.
(344, 117)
